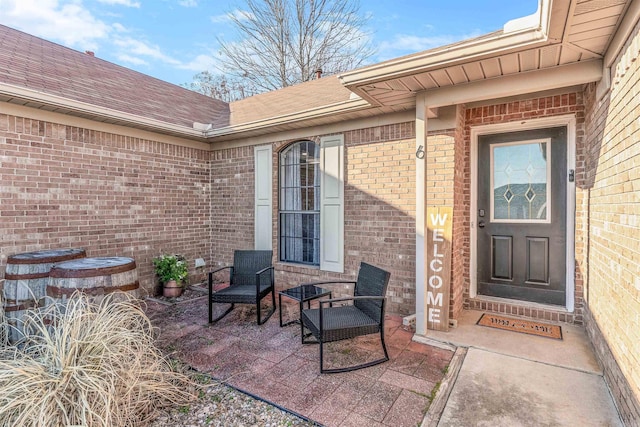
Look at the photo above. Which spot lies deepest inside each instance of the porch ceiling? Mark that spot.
(576, 31)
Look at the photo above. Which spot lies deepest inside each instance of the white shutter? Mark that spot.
(332, 203)
(263, 191)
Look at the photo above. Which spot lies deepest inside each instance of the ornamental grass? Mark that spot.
(88, 364)
(4, 325)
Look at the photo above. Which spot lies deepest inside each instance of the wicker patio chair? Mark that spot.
(363, 315)
(250, 280)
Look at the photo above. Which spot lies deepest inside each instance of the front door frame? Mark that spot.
(565, 120)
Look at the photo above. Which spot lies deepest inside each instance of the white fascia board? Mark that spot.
(501, 87)
(539, 19)
(517, 34)
(631, 17)
(429, 60)
(341, 107)
(30, 95)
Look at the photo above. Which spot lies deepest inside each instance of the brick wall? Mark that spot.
(611, 203)
(379, 208)
(568, 103)
(232, 203)
(64, 186)
(461, 206)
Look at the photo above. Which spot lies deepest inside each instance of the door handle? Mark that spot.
(481, 223)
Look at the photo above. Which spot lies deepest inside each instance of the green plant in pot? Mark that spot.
(172, 271)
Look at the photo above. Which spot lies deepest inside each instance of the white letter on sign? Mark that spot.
(435, 282)
(435, 251)
(434, 301)
(439, 219)
(434, 315)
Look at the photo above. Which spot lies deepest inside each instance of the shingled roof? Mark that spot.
(32, 63)
(292, 99)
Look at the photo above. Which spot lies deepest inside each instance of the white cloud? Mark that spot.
(199, 63)
(219, 19)
(138, 47)
(404, 44)
(119, 27)
(134, 51)
(128, 59)
(238, 14)
(72, 24)
(127, 3)
(68, 22)
(188, 3)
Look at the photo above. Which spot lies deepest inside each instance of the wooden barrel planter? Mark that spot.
(95, 277)
(26, 279)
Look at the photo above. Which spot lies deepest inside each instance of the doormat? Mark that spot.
(519, 325)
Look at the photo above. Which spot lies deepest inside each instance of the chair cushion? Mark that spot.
(339, 323)
(241, 294)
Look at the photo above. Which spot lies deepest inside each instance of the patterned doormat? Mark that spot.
(519, 325)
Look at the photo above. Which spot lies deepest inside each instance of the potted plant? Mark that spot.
(172, 271)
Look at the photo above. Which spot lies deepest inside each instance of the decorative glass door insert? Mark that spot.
(520, 181)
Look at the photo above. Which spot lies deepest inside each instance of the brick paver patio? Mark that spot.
(270, 362)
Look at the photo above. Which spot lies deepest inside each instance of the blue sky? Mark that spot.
(175, 39)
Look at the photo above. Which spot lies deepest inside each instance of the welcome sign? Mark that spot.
(438, 268)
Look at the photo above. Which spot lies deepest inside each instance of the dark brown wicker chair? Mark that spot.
(250, 280)
(363, 317)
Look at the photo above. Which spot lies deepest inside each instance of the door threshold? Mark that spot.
(520, 303)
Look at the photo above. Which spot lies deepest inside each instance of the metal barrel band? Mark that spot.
(25, 305)
(56, 292)
(26, 276)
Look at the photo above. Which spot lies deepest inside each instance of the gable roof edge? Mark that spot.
(341, 107)
(83, 109)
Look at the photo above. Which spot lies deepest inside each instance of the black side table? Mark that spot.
(302, 294)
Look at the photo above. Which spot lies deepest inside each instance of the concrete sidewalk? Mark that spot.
(512, 379)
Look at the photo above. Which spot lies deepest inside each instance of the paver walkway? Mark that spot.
(270, 362)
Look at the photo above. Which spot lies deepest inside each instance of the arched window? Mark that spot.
(299, 205)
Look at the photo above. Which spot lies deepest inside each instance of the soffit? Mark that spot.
(579, 30)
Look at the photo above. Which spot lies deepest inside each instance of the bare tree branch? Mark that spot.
(283, 42)
(221, 87)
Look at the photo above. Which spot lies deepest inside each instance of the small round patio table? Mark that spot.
(302, 294)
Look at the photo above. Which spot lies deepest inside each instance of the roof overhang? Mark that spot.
(44, 101)
(531, 54)
(548, 79)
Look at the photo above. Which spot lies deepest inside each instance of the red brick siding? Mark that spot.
(611, 205)
(461, 206)
(64, 186)
(568, 103)
(232, 202)
(379, 208)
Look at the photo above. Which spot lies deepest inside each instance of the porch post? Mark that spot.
(421, 162)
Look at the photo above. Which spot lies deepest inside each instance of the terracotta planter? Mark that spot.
(171, 289)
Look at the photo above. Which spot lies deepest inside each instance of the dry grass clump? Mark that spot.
(4, 325)
(98, 366)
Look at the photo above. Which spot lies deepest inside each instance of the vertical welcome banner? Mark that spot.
(438, 269)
